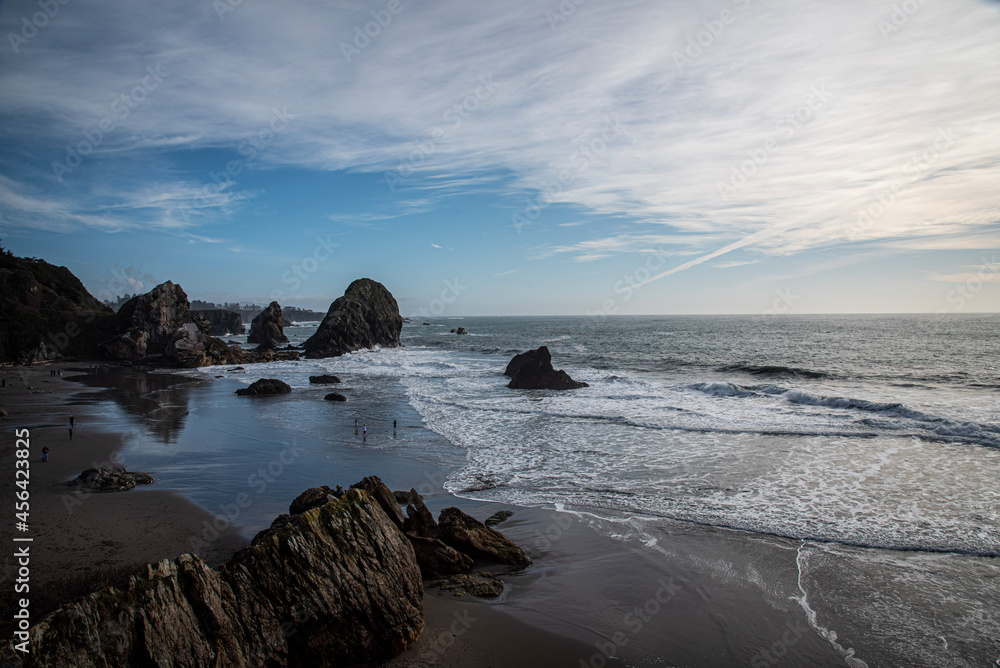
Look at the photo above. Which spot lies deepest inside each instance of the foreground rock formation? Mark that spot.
(335, 586)
(367, 316)
(223, 322)
(268, 328)
(533, 371)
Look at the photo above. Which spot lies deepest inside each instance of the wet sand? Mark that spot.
(75, 532)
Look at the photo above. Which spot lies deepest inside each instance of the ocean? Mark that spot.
(866, 449)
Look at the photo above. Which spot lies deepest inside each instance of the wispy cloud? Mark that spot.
(735, 263)
(869, 146)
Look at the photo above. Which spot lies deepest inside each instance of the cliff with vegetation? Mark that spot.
(46, 313)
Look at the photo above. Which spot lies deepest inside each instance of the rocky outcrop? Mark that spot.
(335, 396)
(267, 329)
(158, 328)
(223, 322)
(533, 371)
(110, 479)
(459, 330)
(336, 586)
(470, 536)
(323, 380)
(367, 316)
(265, 387)
(47, 314)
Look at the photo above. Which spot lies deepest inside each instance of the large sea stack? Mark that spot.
(147, 322)
(367, 316)
(268, 328)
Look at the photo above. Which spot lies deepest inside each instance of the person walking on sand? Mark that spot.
(45, 454)
(364, 432)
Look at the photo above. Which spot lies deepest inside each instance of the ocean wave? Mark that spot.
(722, 389)
(776, 371)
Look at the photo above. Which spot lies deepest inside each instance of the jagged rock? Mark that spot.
(419, 520)
(338, 585)
(498, 517)
(366, 316)
(159, 328)
(470, 536)
(533, 371)
(335, 396)
(110, 479)
(265, 387)
(324, 379)
(313, 497)
(482, 584)
(437, 559)
(267, 329)
(223, 322)
(402, 498)
(186, 348)
(460, 330)
(377, 489)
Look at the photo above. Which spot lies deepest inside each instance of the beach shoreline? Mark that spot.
(77, 535)
(589, 599)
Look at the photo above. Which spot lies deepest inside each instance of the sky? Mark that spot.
(512, 158)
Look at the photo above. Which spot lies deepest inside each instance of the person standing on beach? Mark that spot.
(364, 432)
(45, 454)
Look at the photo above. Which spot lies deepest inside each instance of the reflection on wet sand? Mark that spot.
(159, 401)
